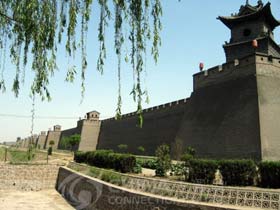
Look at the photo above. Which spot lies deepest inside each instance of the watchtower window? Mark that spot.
(246, 32)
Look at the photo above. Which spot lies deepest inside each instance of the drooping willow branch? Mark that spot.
(7, 17)
(35, 28)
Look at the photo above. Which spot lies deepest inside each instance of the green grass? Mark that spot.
(2, 154)
(16, 156)
(105, 175)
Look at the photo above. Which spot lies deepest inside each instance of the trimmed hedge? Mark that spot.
(269, 174)
(107, 159)
(238, 172)
(80, 157)
(202, 171)
(234, 172)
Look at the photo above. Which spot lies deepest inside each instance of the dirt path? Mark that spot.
(40, 200)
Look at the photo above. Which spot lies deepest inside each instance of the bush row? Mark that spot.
(234, 172)
(107, 159)
(269, 174)
(201, 171)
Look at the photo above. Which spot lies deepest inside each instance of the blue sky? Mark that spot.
(191, 34)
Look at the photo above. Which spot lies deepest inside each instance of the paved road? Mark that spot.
(40, 200)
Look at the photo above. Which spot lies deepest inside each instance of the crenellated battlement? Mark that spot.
(154, 108)
(232, 70)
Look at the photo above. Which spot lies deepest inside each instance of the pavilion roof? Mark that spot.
(249, 12)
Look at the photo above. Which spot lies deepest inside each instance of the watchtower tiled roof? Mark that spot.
(249, 12)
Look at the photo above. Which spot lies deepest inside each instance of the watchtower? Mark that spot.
(251, 23)
(234, 110)
(93, 116)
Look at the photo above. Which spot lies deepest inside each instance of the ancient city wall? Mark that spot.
(27, 177)
(268, 78)
(232, 113)
(41, 140)
(160, 126)
(52, 136)
(89, 135)
(85, 192)
(226, 72)
(222, 120)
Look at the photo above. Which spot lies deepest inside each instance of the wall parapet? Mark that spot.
(154, 108)
(232, 70)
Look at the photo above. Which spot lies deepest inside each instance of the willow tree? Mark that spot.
(32, 30)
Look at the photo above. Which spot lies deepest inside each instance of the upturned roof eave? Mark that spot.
(231, 21)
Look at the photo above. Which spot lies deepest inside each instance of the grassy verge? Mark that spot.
(105, 175)
(16, 156)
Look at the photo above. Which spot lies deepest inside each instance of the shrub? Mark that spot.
(71, 141)
(50, 151)
(190, 151)
(269, 174)
(107, 176)
(80, 157)
(111, 177)
(137, 169)
(107, 159)
(123, 162)
(160, 171)
(141, 149)
(148, 163)
(178, 169)
(122, 147)
(163, 160)
(51, 143)
(238, 172)
(202, 171)
(100, 158)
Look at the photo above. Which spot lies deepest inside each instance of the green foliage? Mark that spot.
(100, 158)
(141, 149)
(19, 156)
(50, 151)
(163, 160)
(80, 157)
(71, 141)
(107, 176)
(112, 178)
(188, 155)
(190, 151)
(31, 31)
(107, 159)
(137, 169)
(122, 147)
(51, 142)
(147, 163)
(178, 169)
(269, 174)
(202, 171)
(30, 152)
(238, 172)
